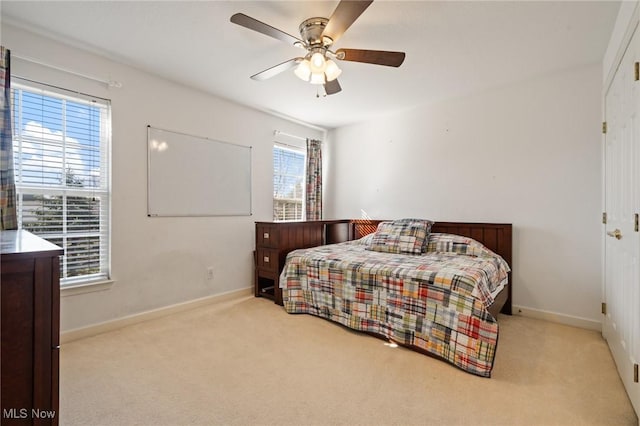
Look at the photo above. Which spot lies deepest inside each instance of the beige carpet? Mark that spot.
(247, 362)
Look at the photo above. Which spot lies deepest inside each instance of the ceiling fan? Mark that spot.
(317, 35)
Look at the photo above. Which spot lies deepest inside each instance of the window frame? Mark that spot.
(102, 191)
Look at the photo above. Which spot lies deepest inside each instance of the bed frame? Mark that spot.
(274, 240)
(497, 237)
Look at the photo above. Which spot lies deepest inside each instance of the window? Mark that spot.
(288, 183)
(61, 146)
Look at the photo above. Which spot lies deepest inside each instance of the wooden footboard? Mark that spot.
(497, 237)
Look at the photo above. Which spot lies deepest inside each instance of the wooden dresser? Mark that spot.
(275, 239)
(29, 329)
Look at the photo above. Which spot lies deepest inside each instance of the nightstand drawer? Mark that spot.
(266, 236)
(267, 259)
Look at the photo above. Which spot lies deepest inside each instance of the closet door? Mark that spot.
(621, 324)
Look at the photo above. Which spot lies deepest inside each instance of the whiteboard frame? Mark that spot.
(149, 175)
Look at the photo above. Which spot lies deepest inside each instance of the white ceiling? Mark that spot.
(453, 48)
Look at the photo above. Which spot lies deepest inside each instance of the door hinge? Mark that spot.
(636, 70)
(635, 373)
(604, 218)
(636, 225)
(604, 127)
(604, 308)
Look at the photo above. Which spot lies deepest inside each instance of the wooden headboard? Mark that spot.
(497, 237)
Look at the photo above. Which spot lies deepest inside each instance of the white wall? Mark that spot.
(526, 154)
(158, 262)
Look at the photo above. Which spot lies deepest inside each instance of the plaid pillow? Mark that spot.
(365, 241)
(419, 222)
(451, 243)
(401, 236)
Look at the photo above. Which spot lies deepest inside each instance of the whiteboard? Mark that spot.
(195, 176)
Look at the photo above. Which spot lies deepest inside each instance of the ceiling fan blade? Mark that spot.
(377, 57)
(345, 14)
(277, 69)
(332, 87)
(255, 25)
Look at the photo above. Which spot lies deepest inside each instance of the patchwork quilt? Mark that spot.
(435, 301)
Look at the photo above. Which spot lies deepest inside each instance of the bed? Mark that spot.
(439, 294)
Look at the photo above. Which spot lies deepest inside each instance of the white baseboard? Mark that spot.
(103, 327)
(589, 324)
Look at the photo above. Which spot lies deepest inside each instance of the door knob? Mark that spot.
(615, 234)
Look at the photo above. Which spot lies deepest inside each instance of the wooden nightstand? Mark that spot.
(267, 268)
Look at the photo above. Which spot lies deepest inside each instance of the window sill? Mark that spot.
(82, 288)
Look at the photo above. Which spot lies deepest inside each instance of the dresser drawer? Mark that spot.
(267, 259)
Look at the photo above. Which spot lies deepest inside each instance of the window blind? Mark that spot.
(288, 183)
(61, 143)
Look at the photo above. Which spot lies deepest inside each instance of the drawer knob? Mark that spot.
(265, 235)
(266, 259)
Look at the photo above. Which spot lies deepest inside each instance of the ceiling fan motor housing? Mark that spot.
(311, 32)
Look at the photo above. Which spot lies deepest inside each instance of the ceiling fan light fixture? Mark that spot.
(332, 71)
(318, 62)
(303, 70)
(317, 78)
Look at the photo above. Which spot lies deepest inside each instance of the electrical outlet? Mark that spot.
(210, 273)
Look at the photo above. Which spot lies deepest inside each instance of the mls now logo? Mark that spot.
(23, 413)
